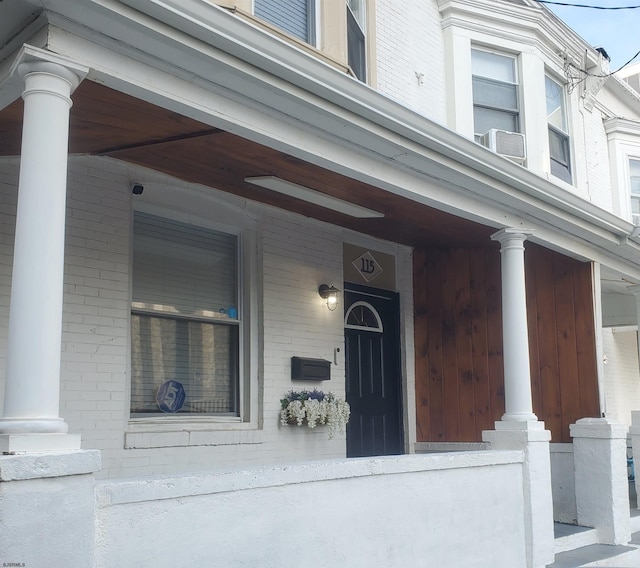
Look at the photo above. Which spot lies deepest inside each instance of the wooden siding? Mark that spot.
(458, 339)
(561, 322)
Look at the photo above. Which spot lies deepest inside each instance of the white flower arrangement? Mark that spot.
(315, 408)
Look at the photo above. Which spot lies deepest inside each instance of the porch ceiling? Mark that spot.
(105, 122)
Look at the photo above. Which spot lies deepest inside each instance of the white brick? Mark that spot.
(622, 374)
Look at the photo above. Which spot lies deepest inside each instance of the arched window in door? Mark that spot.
(362, 315)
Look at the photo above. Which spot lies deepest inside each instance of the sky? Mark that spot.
(618, 31)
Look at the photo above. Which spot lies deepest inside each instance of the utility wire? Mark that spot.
(574, 81)
(584, 72)
(588, 6)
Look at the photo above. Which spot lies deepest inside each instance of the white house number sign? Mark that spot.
(367, 266)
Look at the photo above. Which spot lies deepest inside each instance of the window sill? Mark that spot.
(561, 183)
(163, 433)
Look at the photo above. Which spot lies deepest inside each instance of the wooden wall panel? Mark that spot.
(459, 388)
(458, 338)
(464, 346)
(449, 350)
(494, 335)
(542, 332)
(433, 349)
(480, 341)
(561, 322)
(586, 345)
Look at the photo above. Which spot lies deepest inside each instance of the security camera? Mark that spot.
(137, 188)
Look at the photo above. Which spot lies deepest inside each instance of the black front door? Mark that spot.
(373, 378)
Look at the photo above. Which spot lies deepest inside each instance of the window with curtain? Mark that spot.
(495, 92)
(296, 17)
(356, 47)
(185, 320)
(559, 147)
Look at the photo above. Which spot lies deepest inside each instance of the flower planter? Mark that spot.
(314, 408)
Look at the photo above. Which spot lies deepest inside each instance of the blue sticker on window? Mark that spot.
(170, 397)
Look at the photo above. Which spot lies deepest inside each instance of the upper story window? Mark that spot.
(185, 320)
(634, 182)
(559, 149)
(495, 92)
(356, 45)
(296, 17)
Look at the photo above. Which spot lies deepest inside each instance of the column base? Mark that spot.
(531, 438)
(19, 443)
(528, 431)
(521, 417)
(33, 426)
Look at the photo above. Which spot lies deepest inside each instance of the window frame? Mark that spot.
(209, 319)
(516, 112)
(361, 70)
(247, 386)
(633, 197)
(562, 135)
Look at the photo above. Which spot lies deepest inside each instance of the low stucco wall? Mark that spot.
(563, 483)
(462, 509)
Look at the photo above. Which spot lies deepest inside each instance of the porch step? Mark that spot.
(592, 555)
(635, 520)
(571, 537)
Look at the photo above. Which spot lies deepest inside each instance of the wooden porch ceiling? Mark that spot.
(105, 122)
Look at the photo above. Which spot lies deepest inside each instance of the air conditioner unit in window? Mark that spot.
(508, 144)
(635, 219)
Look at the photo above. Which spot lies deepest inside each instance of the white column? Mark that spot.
(515, 336)
(32, 390)
(519, 428)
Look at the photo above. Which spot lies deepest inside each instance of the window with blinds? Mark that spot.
(495, 92)
(185, 323)
(293, 16)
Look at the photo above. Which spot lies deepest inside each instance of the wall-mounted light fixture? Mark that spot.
(330, 294)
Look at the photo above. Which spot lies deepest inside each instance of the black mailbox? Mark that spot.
(304, 369)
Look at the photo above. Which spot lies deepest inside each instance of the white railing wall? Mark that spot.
(458, 509)
(563, 483)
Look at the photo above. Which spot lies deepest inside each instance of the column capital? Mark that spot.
(35, 60)
(510, 234)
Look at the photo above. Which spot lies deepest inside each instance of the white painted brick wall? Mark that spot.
(409, 41)
(596, 156)
(96, 299)
(296, 256)
(622, 375)
(299, 255)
